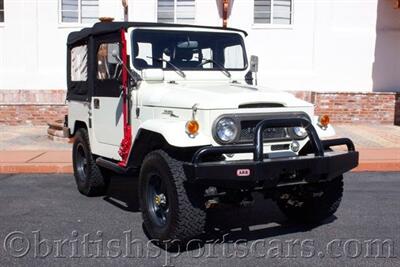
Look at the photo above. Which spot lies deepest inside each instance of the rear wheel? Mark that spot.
(172, 212)
(311, 203)
(89, 178)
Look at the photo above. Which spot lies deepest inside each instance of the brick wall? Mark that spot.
(30, 114)
(33, 107)
(348, 107)
(36, 107)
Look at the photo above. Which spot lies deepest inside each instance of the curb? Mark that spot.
(378, 166)
(66, 168)
(45, 168)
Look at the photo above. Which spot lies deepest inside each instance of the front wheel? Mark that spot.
(172, 212)
(311, 203)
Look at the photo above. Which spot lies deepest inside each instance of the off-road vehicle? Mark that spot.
(175, 107)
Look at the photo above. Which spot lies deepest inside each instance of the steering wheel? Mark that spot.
(201, 64)
(200, 57)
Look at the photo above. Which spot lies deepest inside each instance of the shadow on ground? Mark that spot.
(122, 193)
(225, 224)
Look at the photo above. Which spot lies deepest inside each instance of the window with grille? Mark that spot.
(273, 12)
(79, 11)
(176, 11)
(1, 11)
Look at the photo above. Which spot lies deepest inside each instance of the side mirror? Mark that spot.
(116, 58)
(254, 66)
(115, 53)
(254, 63)
(134, 76)
(153, 75)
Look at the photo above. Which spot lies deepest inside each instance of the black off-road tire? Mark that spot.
(186, 216)
(311, 203)
(89, 178)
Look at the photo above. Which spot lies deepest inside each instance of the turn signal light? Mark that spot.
(323, 120)
(192, 127)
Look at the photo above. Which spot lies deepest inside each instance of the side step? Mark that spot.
(111, 165)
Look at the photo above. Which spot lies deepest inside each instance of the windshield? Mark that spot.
(186, 50)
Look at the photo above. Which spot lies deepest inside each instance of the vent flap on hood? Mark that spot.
(262, 105)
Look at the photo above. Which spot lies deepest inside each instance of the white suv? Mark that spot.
(175, 106)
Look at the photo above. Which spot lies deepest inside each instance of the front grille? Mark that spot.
(269, 134)
(248, 122)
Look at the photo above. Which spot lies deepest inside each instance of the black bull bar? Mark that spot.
(321, 165)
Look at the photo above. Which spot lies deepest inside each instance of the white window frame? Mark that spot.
(273, 25)
(4, 14)
(175, 5)
(79, 23)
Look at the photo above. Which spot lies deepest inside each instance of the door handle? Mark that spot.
(96, 103)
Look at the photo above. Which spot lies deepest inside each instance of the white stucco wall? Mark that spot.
(348, 45)
(33, 43)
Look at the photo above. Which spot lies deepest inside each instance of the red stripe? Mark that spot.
(126, 142)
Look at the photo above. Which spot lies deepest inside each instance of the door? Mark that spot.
(107, 101)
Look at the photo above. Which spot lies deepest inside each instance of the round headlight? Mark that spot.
(226, 130)
(300, 131)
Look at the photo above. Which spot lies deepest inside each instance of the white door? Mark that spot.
(107, 103)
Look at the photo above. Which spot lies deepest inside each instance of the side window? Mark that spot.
(107, 65)
(233, 56)
(79, 63)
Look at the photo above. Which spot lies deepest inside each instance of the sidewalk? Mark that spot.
(379, 145)
(28, 150)
(25, 161)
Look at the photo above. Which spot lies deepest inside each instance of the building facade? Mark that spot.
(341, 55)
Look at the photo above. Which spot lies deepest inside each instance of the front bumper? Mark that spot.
(322, 165)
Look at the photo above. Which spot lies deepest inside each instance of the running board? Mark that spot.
(110, 165)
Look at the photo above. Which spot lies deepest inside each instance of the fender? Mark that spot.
(174, 133)
(163, 134)
(328, 132)
(78, 116)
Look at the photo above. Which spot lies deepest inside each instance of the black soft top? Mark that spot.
(109, 27)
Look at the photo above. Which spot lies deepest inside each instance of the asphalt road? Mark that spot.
(45, 221)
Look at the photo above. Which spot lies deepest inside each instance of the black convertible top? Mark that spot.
(108, 27)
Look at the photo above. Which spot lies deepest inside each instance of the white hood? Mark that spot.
(214, 96)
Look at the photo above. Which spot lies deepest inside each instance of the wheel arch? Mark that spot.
(147, 141)
(76, 126)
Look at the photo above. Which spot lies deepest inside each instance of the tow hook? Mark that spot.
(212, 202)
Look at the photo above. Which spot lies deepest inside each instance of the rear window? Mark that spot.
(79, 63)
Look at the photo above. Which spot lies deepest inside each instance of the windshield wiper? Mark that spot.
(178, 70)
(222, 68)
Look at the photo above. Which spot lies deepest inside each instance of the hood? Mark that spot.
(216, 96)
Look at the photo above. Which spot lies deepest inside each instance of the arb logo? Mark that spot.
(243, 172)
